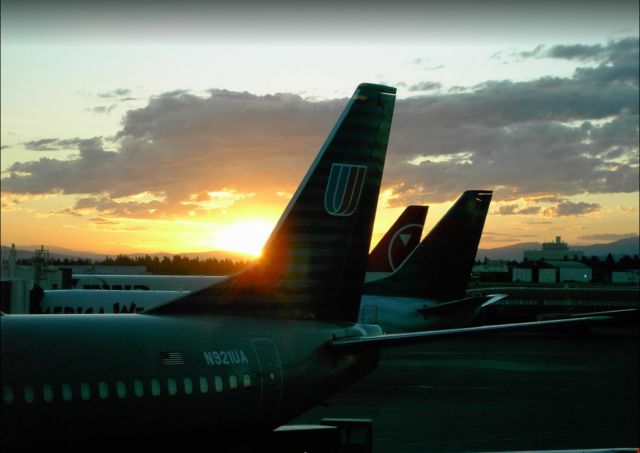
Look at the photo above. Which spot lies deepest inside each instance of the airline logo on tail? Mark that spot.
(344, 188)
(405, 238)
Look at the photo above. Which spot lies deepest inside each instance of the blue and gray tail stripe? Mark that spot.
(314, 262)
(439, 268)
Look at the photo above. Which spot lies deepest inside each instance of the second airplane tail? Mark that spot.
(439, 268)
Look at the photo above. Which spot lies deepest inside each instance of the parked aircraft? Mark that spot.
(144, 282)
(398, 242)
(243, 356)
(403, 236)
(69, 301)
(427, 291)
(132, 294)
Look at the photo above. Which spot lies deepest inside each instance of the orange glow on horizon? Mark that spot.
(243, 236)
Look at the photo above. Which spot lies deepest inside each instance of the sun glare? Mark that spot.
(246, 236)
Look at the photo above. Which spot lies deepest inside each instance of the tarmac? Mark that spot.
(508, 393)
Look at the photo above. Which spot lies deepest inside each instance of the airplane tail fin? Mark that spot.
(313, 265)
(399, 241)
(440, 266)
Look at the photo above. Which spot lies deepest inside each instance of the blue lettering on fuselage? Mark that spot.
(230, 357)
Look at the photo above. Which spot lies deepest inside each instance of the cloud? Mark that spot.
(538, 140)
(507, 209)
(180, 145)
(607, 237)
(546, 199)
(65, 211)
(505, 237)
(103, 109)
(577, 52)
(118, 93)
(426, 63)
(103, 221)
(533, 210)
(551, 135)
(426, 86)
(513, 209)
(55, 144)
(626, 209)
(613, 52)
(112, 208)
(568, 208)
(530, 54)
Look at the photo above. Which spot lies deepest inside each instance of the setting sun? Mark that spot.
(246, 236)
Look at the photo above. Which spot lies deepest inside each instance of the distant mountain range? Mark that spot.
(628, 246)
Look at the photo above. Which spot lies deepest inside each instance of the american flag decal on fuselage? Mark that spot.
(343, 190)
(171, 358)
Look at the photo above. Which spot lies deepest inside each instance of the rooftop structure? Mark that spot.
(554, 251)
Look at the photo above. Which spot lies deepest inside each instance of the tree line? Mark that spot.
(175, 265)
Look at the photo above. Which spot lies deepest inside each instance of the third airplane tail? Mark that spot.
(314, 263)
(440, 266)
(399, 241)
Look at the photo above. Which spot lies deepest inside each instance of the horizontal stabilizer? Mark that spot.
(403, 339)
(466, 305)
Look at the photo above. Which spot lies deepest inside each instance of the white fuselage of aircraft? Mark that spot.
(146, 282)
(392, 314)
(407, 314)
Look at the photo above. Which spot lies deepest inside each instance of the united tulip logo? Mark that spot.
(344, 188)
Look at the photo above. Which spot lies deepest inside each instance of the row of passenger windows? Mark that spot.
(103, 390)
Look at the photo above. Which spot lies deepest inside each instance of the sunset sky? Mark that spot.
(187, 126)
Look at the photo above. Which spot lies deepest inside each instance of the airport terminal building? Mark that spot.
(551, 272)
(554, 251)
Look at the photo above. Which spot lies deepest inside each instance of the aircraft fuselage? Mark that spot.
(162, 377)
(403, 314)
